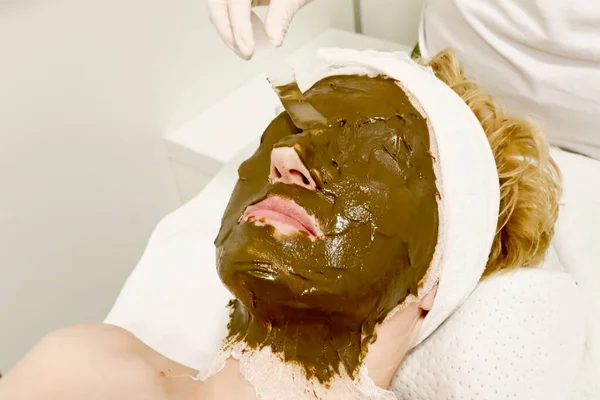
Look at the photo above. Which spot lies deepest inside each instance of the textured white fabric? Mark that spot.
(520, 335)
(577, 246)
(538, 57)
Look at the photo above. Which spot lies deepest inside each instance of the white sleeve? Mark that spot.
(538, 57)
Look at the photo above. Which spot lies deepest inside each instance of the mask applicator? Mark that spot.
(302, 113)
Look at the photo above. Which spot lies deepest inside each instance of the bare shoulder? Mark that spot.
(100, 345)
(105, 336)
(89, 361)
(93, 340)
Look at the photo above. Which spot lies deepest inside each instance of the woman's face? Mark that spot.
(341, 220)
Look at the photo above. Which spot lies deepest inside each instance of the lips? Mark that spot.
(284, 215)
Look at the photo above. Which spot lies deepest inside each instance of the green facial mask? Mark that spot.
(316, 301)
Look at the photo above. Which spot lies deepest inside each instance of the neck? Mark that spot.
(321, 344)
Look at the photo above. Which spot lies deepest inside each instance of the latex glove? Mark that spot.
(233, 20)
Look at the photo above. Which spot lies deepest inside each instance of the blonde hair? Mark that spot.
(529, 178)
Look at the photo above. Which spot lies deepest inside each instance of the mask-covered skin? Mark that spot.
(329, 229)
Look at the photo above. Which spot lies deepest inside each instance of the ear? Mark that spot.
(427, 302)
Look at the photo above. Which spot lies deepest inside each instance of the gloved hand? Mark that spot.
(232, 18)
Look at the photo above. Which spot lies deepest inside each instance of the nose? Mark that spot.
(288, 168)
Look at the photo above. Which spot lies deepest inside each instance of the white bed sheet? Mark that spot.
(577, 244)
(174, 300)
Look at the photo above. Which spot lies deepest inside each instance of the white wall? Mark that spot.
(393, 20)
(87, 90)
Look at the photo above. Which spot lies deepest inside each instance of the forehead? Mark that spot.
(355, 98)
(366, 114)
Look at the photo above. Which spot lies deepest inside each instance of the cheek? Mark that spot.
(373, 277)
(346, 252)
(256, 167)
(362, 258)
(385, 208)
(392, 210)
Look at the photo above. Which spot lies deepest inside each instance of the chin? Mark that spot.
(281, 299)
